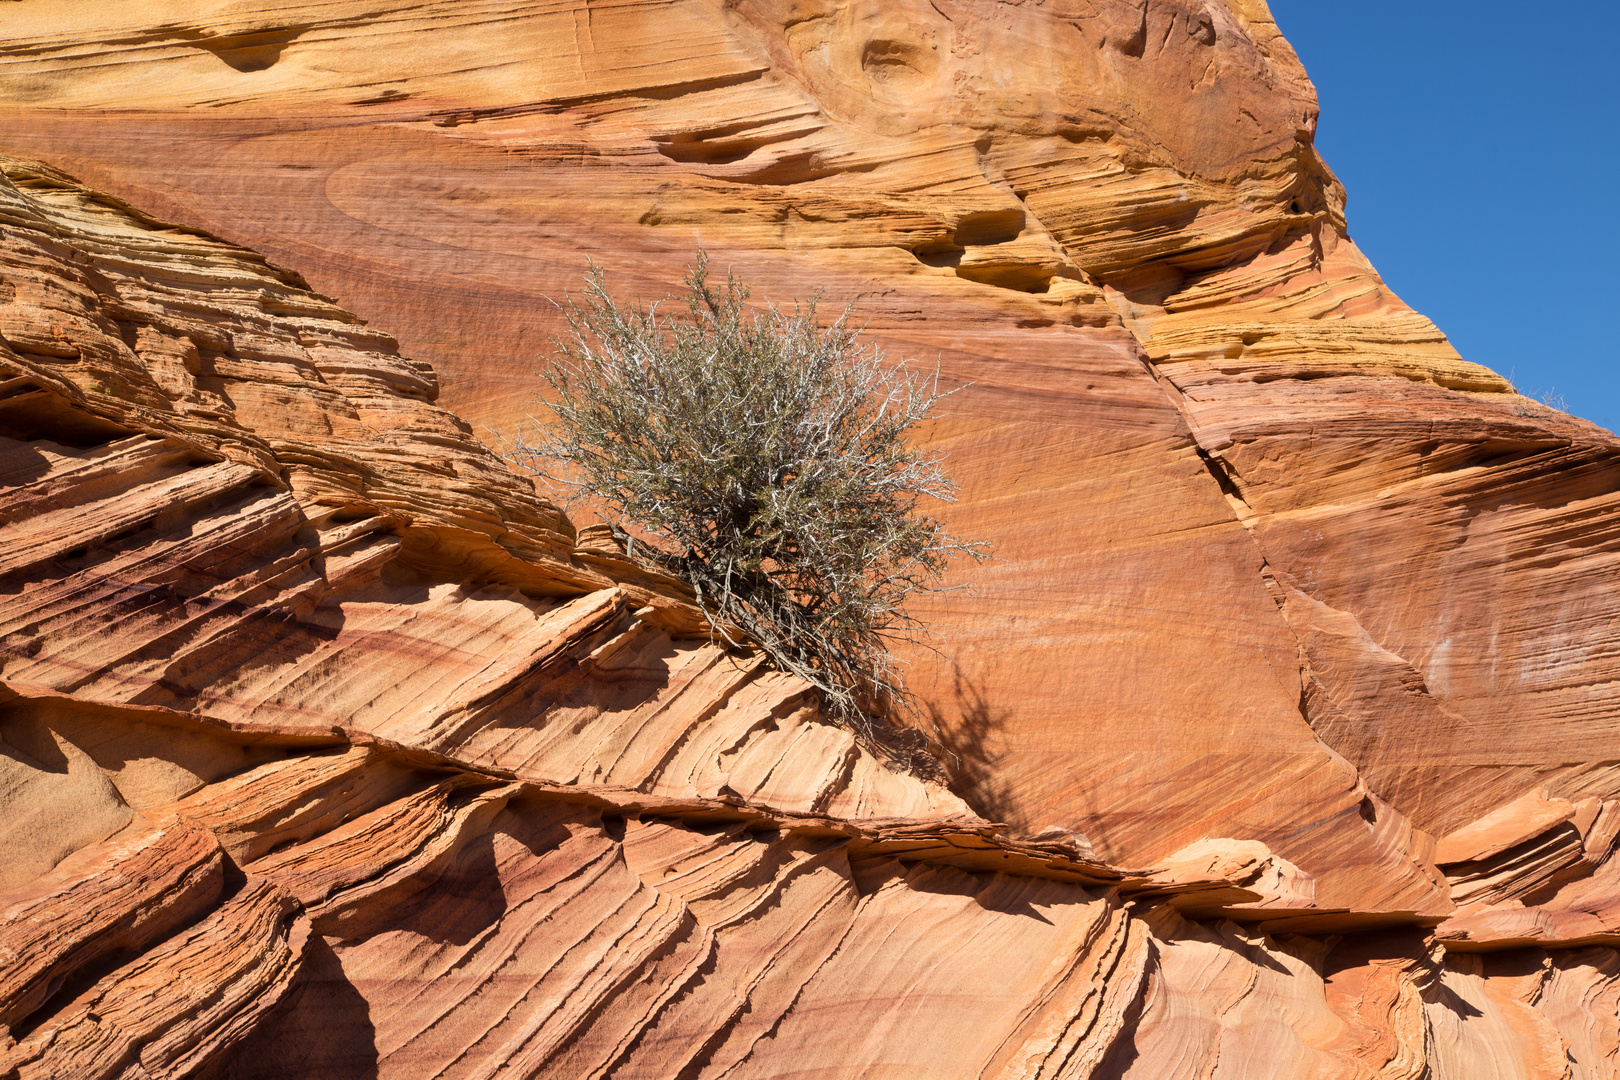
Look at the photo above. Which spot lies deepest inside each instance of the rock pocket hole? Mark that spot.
(887, 60)
(248, 52)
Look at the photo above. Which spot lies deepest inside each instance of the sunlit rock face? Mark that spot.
(1297, 617)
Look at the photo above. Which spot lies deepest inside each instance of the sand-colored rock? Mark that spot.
(466, 801)
(1076, 243)
(1293, 604)
(1124, 586)
(339, 737)
(251, 567)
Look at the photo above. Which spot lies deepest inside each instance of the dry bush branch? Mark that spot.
(764, 459)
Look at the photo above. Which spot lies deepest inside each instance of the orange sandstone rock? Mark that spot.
(391, 776)
(1025, 234)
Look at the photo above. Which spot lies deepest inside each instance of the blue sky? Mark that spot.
(1480, 146)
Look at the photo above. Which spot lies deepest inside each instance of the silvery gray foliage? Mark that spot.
(764, 459)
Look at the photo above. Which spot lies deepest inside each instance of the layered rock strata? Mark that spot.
(1295, 611)
(877, 153)
(398, 780)
(312, 705)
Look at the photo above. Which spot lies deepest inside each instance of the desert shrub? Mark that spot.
(765, 459)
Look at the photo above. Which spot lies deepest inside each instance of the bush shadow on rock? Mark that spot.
(968, 730)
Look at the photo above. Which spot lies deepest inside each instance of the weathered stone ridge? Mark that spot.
(1299, 619)
(395, 778)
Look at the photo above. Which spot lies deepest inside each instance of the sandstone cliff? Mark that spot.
(1295, 678)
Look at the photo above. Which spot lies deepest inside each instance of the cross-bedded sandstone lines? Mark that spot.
(296, 790)
(487, 926)
(273, 752)
(1134, 230)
